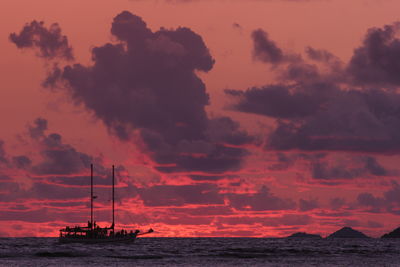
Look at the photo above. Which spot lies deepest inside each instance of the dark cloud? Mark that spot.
(179, 195)
(321, 170)
(146, 86)
(302, 72)
(284, 220)
(280, 101)
(67, 204)
(206, 177)
(260, 201)
(314, 112)
(49, 41)
(42, 215)
(325, 57)
(209, 194)
(61, 172)
(204, 210)
(389, 202)
(60, 158)
(308, 204)
(321, 116)
(350, 121)
(285, 160)
(63, 189)
(377, 60)
(289, 219)
(40, 190)
(365, 166)
(282, 163)
(335, 214)
(81, 180)
(371, 202)
(57, 157)
(225, 130)
(37, 130)
(47, 191)
(62, 192)
(337, 203)
(3, 158)
(21, 162)
(198, 177)
(319, 54)
(265, 49)
(57, 188)
(374, 168)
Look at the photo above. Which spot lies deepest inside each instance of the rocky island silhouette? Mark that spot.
(393, 234)
(347, 232)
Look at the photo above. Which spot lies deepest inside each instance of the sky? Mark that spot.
(256, 118)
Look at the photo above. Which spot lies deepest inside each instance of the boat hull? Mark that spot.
(108, 240)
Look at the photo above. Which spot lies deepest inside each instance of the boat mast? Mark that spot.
(113, 185)
(91, 196)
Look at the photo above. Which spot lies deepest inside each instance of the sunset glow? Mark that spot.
(223, 118)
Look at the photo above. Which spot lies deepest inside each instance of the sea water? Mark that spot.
(202, 252)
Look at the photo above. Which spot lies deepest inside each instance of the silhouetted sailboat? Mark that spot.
(93, 233)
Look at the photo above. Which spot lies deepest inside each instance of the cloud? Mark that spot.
(389, 202)
(3, 158)
(374, 168)
(209, 194)
(337, 203)
(363, 166)
(323, 117)
(321, 171)
(376, 61)
(37, 130)
(269, 221)
(260, 201)
(49, 42)
(307, 205)
(321, 110)
(57, 157)
(13, 191)
(21, 162)
(42, 215)
(209, 210)
(320, 55)
(145, 89)
(368, 200)
(278, 101)
(265, 49)
(61, 172)
(172, 195)
(198, 177)
(350, 121)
